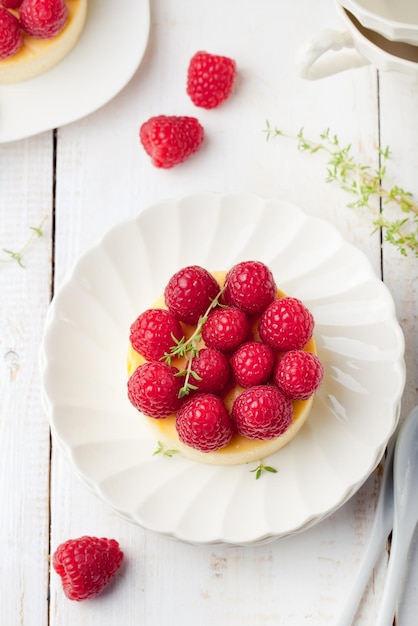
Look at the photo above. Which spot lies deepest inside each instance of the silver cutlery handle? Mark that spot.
(382, 525)
(374, 549)
(398, 554)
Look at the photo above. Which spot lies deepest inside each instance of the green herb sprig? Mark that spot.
(261, 468)
(17, 256)
(365, 184)
(189, 348)
(163, 452)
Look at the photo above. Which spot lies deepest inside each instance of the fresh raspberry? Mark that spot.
(154, 389)
(262, 412)
(11, 4)
(210, 79)
(203, 423)
(225, 328)
(10, 34)
(43, 19)
(86, 565)
(250, 286)
(170, 139)
(189, 293)
(286, 324)
(252, 363)
(154, 333)
(298, 374)
(213, 371)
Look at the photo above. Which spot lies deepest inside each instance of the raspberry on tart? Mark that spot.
(154, 389)
(250, 286)
(11, 4)
(154, 332)
(225, 328)
(212, 371)
(262, 412)
(252, 363)
(203, 423)
(43, 19)
(286, 324)
(298, 374)
(189, 293)
(10, 34)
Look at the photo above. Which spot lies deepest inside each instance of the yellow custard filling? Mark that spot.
(39, 55)
(240, 449)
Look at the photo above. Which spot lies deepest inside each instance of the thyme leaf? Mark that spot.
(161, 450)
(189, 348)
(263, 468)
(17, 255)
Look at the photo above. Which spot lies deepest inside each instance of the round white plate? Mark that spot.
(102, 62)
(84, 370)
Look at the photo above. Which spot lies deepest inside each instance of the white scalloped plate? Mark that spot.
(102, 62)
(84, 370)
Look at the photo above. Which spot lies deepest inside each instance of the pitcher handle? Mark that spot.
(327, 52)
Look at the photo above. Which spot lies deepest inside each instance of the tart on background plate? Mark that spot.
(37, 55)
(110, 48)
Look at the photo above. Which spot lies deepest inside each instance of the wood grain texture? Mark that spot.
(102, 177)
(25, 200)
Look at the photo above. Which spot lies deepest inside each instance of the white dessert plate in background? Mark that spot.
(111, 448)
(102, 62)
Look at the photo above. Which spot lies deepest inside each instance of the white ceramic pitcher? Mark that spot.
(333, 50)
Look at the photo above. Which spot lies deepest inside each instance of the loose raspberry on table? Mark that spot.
(203, 423)
(250, 286)
(210, 79)
(286, 324)
(213, 371)
(10, 34)
(154, 333)
(170, 139)
(252, 363)
(262, 412)
(225, 329)
(154, 389)
(189, 293)
(298, 374)
(43, 19)
(86, 565)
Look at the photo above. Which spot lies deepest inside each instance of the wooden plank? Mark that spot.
(25, 202)
(399, 131)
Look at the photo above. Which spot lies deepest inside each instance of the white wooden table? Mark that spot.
(85, 177)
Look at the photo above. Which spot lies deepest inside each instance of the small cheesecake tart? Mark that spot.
(240, 449)
(36, 56)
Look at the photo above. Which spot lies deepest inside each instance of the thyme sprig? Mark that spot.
(365, 184)
(163, 451)
(17, 256)
(261, 468)
(189, 348)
